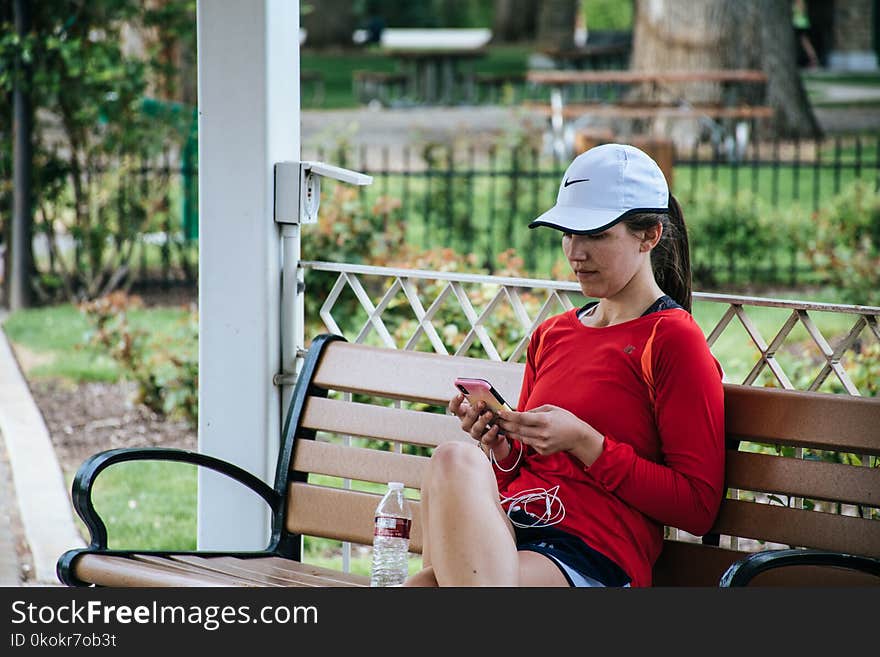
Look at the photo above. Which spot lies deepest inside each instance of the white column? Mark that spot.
(248, 120)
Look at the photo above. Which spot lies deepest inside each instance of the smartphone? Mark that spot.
(477, 390)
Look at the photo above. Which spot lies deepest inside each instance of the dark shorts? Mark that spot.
(581, 565)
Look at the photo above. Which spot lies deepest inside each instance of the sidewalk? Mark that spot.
(37, 485)
(10, 566)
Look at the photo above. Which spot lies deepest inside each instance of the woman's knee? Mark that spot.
(456, 462)
(456, 457)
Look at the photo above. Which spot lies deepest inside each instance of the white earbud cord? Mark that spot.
(554, 509)
(511, 468)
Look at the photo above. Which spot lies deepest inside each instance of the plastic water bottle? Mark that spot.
(391, 538)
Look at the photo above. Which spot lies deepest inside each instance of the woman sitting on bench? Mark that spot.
(619, 428)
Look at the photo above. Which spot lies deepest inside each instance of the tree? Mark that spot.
(716, 34)
(21, 259)
(514, 20)
(328, 23)
(89, 138)
(556, 21)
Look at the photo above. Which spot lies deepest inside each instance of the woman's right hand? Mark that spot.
(476, 422)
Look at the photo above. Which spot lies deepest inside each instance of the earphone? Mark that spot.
(521, 500)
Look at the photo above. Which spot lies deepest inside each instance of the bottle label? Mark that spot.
(392, 527)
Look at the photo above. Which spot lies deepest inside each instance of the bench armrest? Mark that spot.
(743, 571)
(81, 490)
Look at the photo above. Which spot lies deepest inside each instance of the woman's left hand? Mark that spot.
(549, 429)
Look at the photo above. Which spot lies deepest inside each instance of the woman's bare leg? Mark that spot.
(467, 538)
(470, 538)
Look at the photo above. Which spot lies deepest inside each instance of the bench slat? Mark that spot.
(799, 527)
(106, 570)
(811, 479)
(807, 576)
(359, 463)
(381, 422)
(414, 376)
(692, 564)
(640, 77)
(802, 419)
(172, 562)
(344, 515)
(274, 571)
(575, 110)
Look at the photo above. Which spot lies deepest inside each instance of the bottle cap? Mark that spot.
(394, 485)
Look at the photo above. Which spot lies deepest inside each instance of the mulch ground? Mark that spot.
(90, 417)
(86, 418)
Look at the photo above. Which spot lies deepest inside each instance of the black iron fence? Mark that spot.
(745, 214)
(481, 201)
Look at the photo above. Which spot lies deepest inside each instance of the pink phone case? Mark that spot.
(477, 390)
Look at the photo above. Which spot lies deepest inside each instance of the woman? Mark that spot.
(620, 422)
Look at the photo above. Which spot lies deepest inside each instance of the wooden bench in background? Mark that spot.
(654, 111)
(399, 398)
(610, 95)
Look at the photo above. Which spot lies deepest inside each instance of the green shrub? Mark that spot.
(862, 365)
(731, 231)
(843, 244)
(166, 373)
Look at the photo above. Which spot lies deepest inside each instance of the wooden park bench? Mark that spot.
(654, 111)
(608, 95)
(394, 397)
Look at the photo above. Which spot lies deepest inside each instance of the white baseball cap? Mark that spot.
(602, 186)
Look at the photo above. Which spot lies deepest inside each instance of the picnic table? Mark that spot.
(437, 63)
(611, 84)
(435, 76)
(577, 94)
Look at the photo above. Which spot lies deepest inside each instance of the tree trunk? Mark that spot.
(20, 248)
(716, 34)
(329, 23)
(556, 21)
(514, 21)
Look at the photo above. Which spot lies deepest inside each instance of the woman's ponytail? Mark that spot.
(670, 259)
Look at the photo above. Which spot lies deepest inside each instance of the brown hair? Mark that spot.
(670, 259)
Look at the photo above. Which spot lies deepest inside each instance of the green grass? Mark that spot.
(782, 186)
(58, 336)
(607, 14)
(868, 79)
(148, 505)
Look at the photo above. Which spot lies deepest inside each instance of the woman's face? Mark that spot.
(606, 262)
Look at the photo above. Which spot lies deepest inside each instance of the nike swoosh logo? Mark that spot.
(572, 182)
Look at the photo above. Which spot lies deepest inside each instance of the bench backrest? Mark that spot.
(397, 400)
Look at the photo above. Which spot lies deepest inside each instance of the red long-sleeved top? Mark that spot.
(653, 389)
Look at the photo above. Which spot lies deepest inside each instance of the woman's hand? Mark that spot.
(478, 422)
(550, 429)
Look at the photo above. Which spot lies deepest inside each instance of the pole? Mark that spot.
(248, 55)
